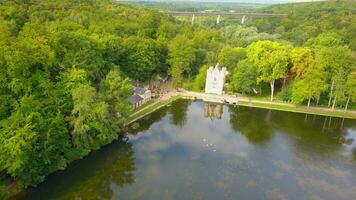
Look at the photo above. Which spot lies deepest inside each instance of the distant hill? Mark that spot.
(197, 5)
(306, 20)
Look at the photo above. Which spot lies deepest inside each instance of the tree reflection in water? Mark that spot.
(321, 135)
(145, 123)
(93, 177)
(179, 110)
(254, 124)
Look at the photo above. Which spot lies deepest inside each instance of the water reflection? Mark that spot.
(94, 177)
(255, 124)
(145, 123)
(213, 110)
(179, 112)
(179, 152)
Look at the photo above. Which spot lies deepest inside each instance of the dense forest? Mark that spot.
(66, 68)
(65, 79)
(306, 20)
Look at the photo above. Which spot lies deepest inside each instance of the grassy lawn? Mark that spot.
(150, 108)
(296, 109)
(143, 106)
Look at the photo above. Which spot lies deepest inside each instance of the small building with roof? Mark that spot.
(136, 100)
(140, 95)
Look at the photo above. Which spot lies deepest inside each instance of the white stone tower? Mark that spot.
(215, 80)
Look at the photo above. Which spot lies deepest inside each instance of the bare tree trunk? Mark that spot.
(308, 103)
(331, 93)
(347, 104)
(332, 109)
(272, 89)
(317, 101)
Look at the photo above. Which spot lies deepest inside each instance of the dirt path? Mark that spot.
(220, 98)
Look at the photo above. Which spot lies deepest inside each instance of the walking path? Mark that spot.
(269, 104)
(243, 101)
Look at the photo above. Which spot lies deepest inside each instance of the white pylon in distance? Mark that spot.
(243, 20)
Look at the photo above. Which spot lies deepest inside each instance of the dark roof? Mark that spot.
(135, 99)
(139, 90)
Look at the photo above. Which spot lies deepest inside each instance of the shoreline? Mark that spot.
(281, 106)
(246, 102)
(300, 110)
(241, 101)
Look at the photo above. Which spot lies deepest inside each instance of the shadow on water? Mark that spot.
(93, 177)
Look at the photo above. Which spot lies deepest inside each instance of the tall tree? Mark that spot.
(331, 52)
(311, 86)
(351, 88)
(180, 57)
(229, 57)
(271, 59)
(140, 58)
(301, 59)
(117, 90)
(244, 77)
(200, 79)
(90, 120)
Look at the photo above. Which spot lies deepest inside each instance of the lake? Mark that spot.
(196, 150)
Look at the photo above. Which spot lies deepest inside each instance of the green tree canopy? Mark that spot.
(244, 77)
(229, 57)
(311, 86)
(271, 59)
(181, 56)
(140, 58)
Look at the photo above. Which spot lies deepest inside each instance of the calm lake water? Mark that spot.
(196, 150)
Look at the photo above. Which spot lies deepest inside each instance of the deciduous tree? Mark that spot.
(311, 86)
(271, 59)
(244, 78)
(229, 57)
(181, 56)
(350, 88)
